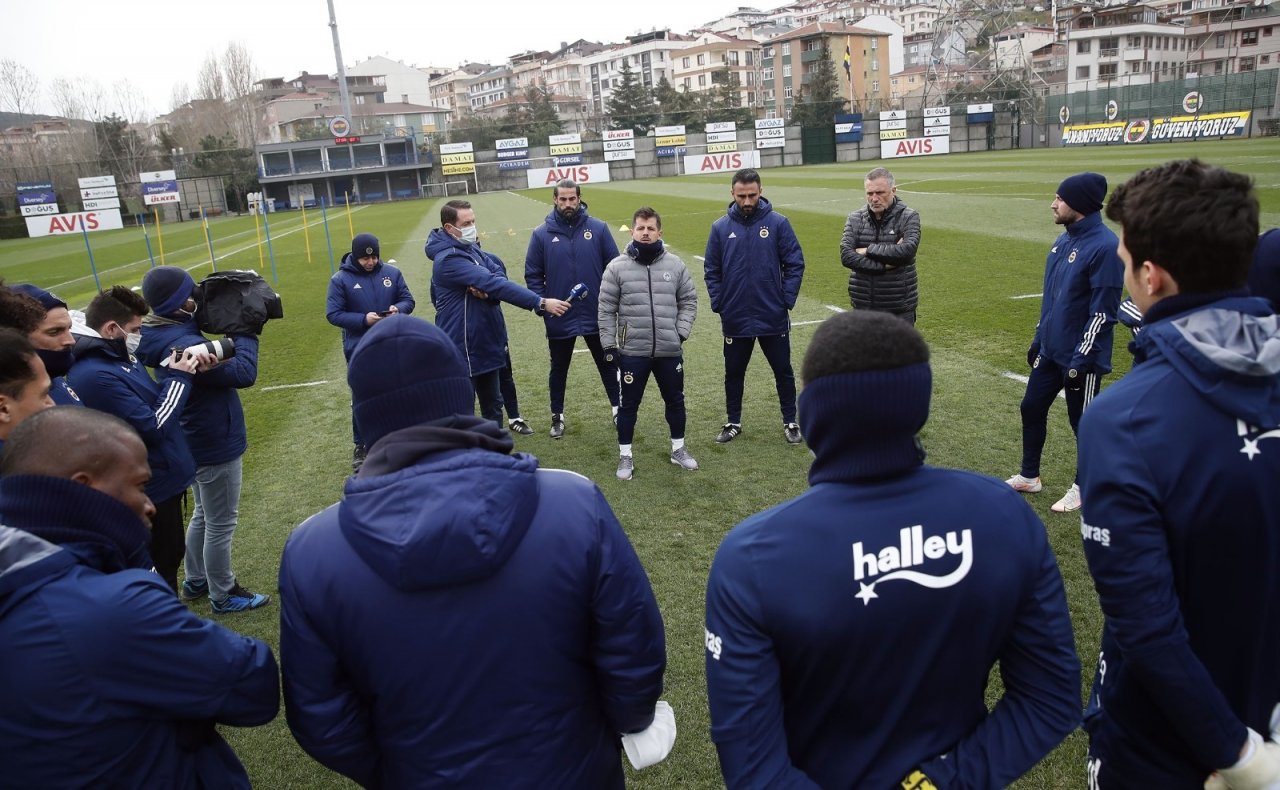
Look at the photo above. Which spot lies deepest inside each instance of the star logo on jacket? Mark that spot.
(356, 287)
(914, 550)
(1251, 449)
(386, 281)
(764, 233)
(733, 235)
(586, 234)
(1072, 257)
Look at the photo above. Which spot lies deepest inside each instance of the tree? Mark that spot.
(19, 87)
(631, 104)
(542, 119)
(724, 100)
(820, 98)
(678, 107)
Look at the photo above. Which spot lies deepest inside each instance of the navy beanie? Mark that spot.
(364, 245)
(47, 300)
(1084, 192)
(166, 288)
(405, 372)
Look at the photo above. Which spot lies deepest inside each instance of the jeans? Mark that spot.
(561, 349)
(777, 352)
(1044, 384)
(213, 522)
(669, 373)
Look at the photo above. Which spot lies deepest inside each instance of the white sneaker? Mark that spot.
(682, 459)
(625, 467)
(1027, 485)
(1070, 501)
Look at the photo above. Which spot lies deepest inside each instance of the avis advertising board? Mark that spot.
(74, 223)
(721, 163)
(583, 174)
(914, 146)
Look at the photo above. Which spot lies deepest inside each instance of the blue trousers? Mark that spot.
(561, 349)
(737, 355)
(669, 373)
(1046, 381)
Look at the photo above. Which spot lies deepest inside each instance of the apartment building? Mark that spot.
(704, 64)
(789, 59)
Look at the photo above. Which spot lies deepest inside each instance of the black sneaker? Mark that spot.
(557, 426)
(792, 431)
(194, 590)
(728, 433)
(518, 425)
(239, 600)
(357, 458)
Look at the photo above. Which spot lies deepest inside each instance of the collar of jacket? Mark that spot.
(1085, 224)
(407, 446)
(558, 222)
(763, 208)
(97, 528)
(1174, 306)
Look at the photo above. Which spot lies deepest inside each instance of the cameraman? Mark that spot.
(214, 425)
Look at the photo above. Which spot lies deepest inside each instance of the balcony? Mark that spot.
(1108, 54)
(809, 56)
(1135, 53)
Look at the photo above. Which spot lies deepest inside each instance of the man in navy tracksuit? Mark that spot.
(107, 680)
(467, 295)
(1083, 278)
(1179, 465)
(362, 292)
(54, 342)
(215, 429)
(753, 268)
(851, 631)
(568, 249)
(464, 618)
(108, 377)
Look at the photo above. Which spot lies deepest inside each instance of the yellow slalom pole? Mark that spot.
(257, 229)
(306, 237)
(350, 226)
(159, 235)
(208, 240)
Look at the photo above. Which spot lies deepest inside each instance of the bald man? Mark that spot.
(107, 679)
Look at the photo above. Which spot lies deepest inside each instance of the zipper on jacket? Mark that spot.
(653, 315)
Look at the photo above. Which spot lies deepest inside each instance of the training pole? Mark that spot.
(159, 236)
(329, 242)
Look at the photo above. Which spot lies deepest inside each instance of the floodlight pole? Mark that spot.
(342, 70)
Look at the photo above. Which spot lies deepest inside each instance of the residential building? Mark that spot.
(402, 83)
(451, 91)
(1240, 38)
(945, 47)
(708, 60)
(789, 59)
(917, 18)
(1011, 48)
(489, 88)
(1125, 45)
(649, 56)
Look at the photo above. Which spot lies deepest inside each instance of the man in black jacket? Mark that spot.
(879, 248)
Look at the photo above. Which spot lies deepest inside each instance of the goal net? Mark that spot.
(446, 189)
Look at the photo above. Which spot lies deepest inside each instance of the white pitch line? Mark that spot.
(699, 258)
(833, 308)
(293, 386)
(804, 323)
(1027, 296)
(1023, 379)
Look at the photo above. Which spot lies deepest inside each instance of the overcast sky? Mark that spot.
(157, 46)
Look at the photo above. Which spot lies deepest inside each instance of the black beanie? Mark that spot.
(405, 372)
(364, 245)
(166, 288)
(1084, 192)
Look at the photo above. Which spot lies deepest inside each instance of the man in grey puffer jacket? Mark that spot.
(647, 306)
(879, 248)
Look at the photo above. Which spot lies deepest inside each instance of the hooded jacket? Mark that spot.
(474, 324)
(1179, 462)
(562, 254)
(354, 293)
(465, 618)
(1083, 278)
(885, 277)
(752, 269)
(108, 378)
(851, 631)
(214, 419)
(647, 309)
(106, 679)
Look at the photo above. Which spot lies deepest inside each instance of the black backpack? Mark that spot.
(236, 303)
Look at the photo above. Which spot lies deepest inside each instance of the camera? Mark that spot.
(236, 303)
(222, 349)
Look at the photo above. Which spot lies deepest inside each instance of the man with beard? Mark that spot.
(753, 268)
(879, 248)
(571, 249)
(51, 337)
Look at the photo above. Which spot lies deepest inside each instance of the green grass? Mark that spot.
(986, 230)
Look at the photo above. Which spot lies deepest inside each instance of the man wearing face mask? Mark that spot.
(51, 337)
(108, 377)
(467, 294)
(215, 429)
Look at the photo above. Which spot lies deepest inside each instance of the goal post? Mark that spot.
(446, 189)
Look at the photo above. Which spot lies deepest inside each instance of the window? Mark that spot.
(786, 71)
(1135, 67)
(732, 58)
(687, 84)
(684, 63)
(1220, 40)
(1248, 38)
(786, 92)
(751, 78)
(1266, 31)
(702, 80)
(1246, 64)
(702, 60)
(1264, 60)
(875, 44)
(1217, 67)
(1109, 42)
(875, 65)
(766, 75)
(1106, 71)
(771, 113)
(875, 86)
(751, 97)
(1083, 47)
(786, 48)
(750, 57)
(1082, 72)
(813, 45)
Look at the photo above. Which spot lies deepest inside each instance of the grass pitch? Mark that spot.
(986, 231)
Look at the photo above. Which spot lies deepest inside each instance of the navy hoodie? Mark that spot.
(1179, 473)
(465, 618)
(753, 268)
(562, 254)
(354, 293)
(1083, 278)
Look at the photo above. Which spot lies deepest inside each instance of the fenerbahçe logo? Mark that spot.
(386, 281)
(764, 233)
(1072, 257)
(896, 563)
(586, 234)
(1136, 131)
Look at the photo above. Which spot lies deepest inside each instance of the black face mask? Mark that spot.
(56, 363)
(647, 253)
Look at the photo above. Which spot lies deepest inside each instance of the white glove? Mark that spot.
(1259, 769)
(651, 745)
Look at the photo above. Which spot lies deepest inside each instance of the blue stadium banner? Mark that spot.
(668, 151)
(981, 113)
(518, 164)
(849, 127)
(571, 159)
(34, 193)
